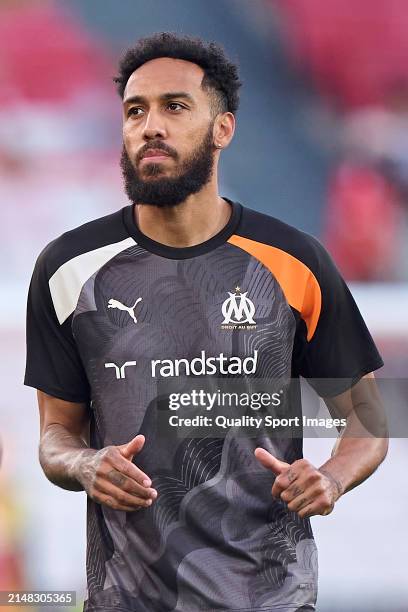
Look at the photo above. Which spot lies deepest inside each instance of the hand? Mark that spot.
(109, 477)
(306, 489)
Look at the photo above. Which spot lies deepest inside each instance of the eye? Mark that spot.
(172, 106)
(133, 111)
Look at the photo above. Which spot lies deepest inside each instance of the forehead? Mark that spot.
(165, 74)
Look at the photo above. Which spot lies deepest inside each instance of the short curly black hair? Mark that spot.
(220, 75)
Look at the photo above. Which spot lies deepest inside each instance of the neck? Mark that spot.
(197, 219)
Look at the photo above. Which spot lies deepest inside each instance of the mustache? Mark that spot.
(160, 146)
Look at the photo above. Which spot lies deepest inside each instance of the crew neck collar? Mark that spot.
(182, 252)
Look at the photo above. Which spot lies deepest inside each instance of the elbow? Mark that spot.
(379, 450)
(47, 457)
(383, 449)
(44, 461)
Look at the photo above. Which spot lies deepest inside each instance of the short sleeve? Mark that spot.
(341, 350)
(53, 364)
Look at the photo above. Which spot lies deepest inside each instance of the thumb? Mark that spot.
(270, 462)
(131, 448)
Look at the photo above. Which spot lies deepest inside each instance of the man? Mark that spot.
(179, 280)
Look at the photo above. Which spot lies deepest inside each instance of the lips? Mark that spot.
(154, 153)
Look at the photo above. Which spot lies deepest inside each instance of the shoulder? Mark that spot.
(83, 239)
(270, 231)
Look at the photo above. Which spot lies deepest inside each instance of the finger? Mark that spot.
(128, 468)
(298, 480)
(310, 493)
(131, 448)
(121, 499)
(292, 492)
(127, 484)
(269, 461)
(327, 511)
(301, 475)
(283, 481)
(109, 501)
(308, 510)
(301, 501)
(315, 508)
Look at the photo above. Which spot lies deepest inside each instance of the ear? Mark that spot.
(223, 130)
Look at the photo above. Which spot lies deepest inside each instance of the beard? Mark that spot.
(194, 173)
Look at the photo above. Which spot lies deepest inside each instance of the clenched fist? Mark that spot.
(306, 490)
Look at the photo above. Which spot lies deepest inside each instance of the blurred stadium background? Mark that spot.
(324, 126)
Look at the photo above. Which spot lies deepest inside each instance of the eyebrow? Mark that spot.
(166, 96)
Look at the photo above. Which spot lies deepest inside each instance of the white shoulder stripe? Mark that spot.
(66, 283)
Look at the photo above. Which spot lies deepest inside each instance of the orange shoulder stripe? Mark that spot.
(298, 283)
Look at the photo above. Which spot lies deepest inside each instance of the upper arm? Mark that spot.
(74, 416)
(364, 401)
(341, 405)
(341, 350)
(53, 362)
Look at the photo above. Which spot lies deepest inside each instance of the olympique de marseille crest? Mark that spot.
(238, 309)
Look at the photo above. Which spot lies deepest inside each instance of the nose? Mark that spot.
(153, 127)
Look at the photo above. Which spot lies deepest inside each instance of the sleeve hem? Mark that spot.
(58, 393)
(346, 382)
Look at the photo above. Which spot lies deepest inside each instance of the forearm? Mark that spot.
(353, 460)
(60, 454)
(363, 444)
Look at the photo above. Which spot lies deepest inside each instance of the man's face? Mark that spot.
(168, 147)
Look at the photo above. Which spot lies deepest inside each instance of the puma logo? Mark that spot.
(130, 309)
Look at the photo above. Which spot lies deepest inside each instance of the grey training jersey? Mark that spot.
(112, 318)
